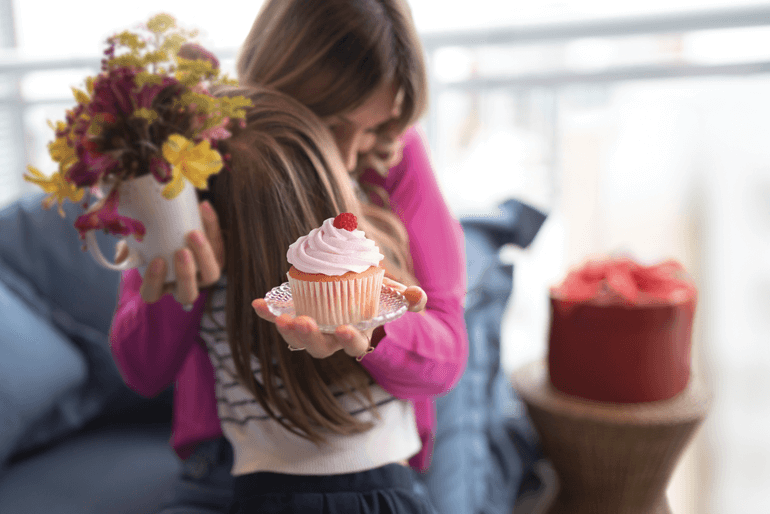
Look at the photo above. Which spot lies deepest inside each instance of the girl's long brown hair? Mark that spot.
(283, 178)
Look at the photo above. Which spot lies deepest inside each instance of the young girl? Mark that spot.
(306, 431)
(358, 65)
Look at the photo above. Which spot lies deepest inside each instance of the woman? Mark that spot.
(358, 65)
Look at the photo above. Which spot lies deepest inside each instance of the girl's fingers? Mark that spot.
(414, 295)
(307, 335)
(302, 333)
(205, 258)
(213, 232)
(398, 286)
(260, 307)
(152, 283)
(284, 325)
(353, 341)
(186, 277)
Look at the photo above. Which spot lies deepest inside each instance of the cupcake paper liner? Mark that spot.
(339, 302)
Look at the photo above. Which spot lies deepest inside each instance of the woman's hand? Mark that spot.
(197, 265)
(302, 332)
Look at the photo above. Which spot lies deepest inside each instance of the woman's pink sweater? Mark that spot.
(421, 356)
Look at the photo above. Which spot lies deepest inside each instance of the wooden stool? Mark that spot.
(610, 458)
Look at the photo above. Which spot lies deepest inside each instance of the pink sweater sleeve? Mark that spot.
(150, 342)
(424, 354)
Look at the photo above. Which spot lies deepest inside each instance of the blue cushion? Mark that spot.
(38, 366)
(43, 250)
(43, 264)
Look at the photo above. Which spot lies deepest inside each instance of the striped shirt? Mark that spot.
(260, 443)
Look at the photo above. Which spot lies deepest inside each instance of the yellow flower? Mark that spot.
(154, 57)
(80, 96)
(161, 23)
(172, 43)
(126, 61)
(145, 78)
(58, 188)
(147, 114)
(62, 153)
(193, 162)
(131, 41)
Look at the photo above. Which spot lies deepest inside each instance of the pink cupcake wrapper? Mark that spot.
(340, 302)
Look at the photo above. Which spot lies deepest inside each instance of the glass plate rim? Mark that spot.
(285, 306)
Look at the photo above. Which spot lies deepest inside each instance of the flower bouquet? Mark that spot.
(148, 118)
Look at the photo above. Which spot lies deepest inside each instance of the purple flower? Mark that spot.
(90, 166)
(112, 92)
(107, 218)
(148, 93)
(161, 169)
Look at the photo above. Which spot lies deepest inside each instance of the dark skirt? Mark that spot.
(391, 489)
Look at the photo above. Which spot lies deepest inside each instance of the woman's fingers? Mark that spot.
(186, 277)
(121, 252)
(204, 257)
(213, 232)
(152, 283)
(197, 265)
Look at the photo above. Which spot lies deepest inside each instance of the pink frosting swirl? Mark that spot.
(333, 251)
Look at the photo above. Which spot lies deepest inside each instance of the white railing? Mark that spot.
(14, 67)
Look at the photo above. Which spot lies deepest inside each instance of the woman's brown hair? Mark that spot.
(282, 179)
(331, 55)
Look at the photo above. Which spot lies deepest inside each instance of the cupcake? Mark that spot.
(335, 277)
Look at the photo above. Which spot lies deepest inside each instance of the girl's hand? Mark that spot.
(302, 332)
(414, 295)
(197, 265)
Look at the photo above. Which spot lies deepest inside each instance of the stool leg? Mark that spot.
(610, 468)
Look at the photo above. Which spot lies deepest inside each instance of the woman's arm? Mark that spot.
(150, 341)
(424, 354)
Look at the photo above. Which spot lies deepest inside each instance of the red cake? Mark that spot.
(621, 332)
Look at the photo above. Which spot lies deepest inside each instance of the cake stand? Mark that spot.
(610, 458)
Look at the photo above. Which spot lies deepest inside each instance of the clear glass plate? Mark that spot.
(393, 305)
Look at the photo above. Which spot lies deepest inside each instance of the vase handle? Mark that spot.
(134, 259)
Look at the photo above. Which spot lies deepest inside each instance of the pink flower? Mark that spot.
(217, 131)
(160, 169)
(107, 218)
(90, 166)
